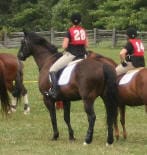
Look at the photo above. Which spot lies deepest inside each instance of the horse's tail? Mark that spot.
(111, 93)
(18, 83)
(4, 97)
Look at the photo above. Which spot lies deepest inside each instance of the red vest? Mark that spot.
(137, 46)
(78, 35)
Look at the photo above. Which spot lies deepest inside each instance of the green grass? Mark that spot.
(31, 134)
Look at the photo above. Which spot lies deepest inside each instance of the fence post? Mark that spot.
(5, 38)
(113, 37)
(52, 36)
(94, 35)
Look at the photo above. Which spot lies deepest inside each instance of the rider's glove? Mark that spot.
(124, 63)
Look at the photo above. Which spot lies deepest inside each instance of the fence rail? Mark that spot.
(96, 37)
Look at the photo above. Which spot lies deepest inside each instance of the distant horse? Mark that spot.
(13, 75)
(88, 80)
(133, 93)
(4, 97)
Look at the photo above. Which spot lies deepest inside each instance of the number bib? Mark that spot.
(78, 35)
(138, 47)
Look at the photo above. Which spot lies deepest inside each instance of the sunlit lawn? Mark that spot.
(31, 134)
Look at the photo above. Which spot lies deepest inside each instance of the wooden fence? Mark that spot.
(111, 38)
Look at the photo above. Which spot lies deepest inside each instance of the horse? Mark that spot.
(133, 93)
(89, 79)
(13, 79)
(4, 97)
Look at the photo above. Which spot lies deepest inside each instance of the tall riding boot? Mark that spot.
(53, 91)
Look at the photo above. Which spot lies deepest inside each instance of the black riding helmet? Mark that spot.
(76, 18)
(132, 32)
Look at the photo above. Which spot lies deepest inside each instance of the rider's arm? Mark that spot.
(123, 53)
(65, 43)
(87, 42)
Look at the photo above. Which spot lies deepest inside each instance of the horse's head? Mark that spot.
(25, 48)
(32, 42)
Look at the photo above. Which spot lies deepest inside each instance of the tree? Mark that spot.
(120, 14)
(62, 11)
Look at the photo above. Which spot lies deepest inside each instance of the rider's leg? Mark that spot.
(123, 69)
(59, 64)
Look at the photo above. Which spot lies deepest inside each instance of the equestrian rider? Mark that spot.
(132, 55)
(74, 45)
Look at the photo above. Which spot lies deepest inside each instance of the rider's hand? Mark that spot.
(124, 63)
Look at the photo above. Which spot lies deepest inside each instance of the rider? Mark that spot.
(132, 55)
(74, 45)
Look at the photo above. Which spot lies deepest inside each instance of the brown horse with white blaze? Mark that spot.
(88, 80)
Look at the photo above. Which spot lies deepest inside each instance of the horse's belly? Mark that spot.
(133, 102)
(129, 97)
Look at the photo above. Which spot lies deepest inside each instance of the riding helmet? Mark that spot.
(76, 18)
(131, 32)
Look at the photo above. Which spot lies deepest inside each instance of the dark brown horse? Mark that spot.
(88, 80)
(12, 71)
(133, 93)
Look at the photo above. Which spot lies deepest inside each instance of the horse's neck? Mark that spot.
(40, 57)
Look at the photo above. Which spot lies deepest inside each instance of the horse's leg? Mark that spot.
(50, 104)
(122, 120)
(110, 122)
(116, 126)
(67, 119)
(13, 104)
(26, 101)
(88, 105)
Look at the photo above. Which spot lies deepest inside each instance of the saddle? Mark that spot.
(126, 78)
(63, 75)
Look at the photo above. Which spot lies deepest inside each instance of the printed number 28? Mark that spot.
(79, 35)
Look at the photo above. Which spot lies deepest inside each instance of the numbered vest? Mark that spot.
(138, 47)
(78, 35)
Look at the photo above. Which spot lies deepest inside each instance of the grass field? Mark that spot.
(31, 134)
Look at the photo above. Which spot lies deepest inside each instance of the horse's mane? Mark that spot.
(39, 40)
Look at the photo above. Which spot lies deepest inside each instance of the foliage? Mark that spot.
(40, 15)
(120, 14)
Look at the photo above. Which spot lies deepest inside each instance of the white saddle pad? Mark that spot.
(128, 76)
(65, 75)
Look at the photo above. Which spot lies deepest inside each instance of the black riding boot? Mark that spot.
(53, 91)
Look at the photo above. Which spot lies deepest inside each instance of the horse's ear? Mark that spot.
(25, 32)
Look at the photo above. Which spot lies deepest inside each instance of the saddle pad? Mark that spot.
(65, 75)
(128, 76)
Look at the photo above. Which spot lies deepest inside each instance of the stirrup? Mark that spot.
(52, 93)
(47, 93)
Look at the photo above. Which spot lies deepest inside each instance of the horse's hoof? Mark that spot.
(13, 108)
(72, 139)
(109, 145)
(9, 112)
(27, 111)
(125, 137)
(54, 139)
(55, 136)
(117, 138)
(84, 144)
